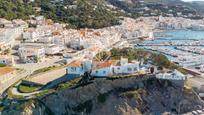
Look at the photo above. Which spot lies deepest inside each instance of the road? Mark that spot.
(28, 69)
(15, 92)
(42, 79)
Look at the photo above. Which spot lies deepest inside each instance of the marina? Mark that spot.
(184, 47)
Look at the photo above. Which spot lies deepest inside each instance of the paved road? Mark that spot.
(15, 92)
(28, 69)
(42, 79)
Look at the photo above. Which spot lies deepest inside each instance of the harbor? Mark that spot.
(183, 47)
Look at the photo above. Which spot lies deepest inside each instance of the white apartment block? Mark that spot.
(31, 53)
(53, 49)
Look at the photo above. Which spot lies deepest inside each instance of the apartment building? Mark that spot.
(31, 53)
(53, 49)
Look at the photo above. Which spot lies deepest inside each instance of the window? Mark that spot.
(96, 71)
(104, 72)
(129, 69)
(73, 69)
(118, 68)
(135, 69)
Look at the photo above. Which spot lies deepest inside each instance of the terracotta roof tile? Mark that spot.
(106, 64)
(76, 63)
(5, 70)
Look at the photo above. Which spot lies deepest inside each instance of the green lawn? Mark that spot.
(45, 92)
(68, 84)
(11, 95)
(27, 89)
(2, 65)
(43, 70)
(1, 108)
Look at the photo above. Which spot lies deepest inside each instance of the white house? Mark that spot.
(78, 68)
(104, 68)
(6, 38)
(78, 43)
(172, 75)
(20, 24)
(53, 49)
(127, 68)
(132, 35)
(3, 46)
(45, 39)
(58, 40)
(40, 20)
(115, 67)
(6, 23)
(31, 35)
(31, 53)
(92, 52)
(4, 59)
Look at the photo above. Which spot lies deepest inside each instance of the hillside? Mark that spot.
(80, 13)
(199, 6)
(97, 13)
(129, 96)
(167, 8)
(13, 9)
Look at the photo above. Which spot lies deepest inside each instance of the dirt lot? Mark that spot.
(44, 78)
(5, 70)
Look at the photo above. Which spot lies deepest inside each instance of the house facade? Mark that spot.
(31, 35)
(78, 68)
(31, 53)
(4, 59)
(176, 77)
(171, 75)
(7, 39)
(53, 49)
(102, 72)
(104, 68)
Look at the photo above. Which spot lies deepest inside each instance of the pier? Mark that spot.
(178, 39)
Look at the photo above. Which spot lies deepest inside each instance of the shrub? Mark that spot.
(27, 89)
(102, 97)
(86, 106)
(2, 65)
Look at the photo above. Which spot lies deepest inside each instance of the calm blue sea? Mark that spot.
(180, 34)
(177, 36)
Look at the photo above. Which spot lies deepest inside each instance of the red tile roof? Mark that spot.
(5, 70)
(105, 64)
(76, 63)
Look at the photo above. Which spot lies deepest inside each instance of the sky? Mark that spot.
(192, 0)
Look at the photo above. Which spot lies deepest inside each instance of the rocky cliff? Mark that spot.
(130, 96)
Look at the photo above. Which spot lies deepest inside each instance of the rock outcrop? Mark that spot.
(130, 96)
